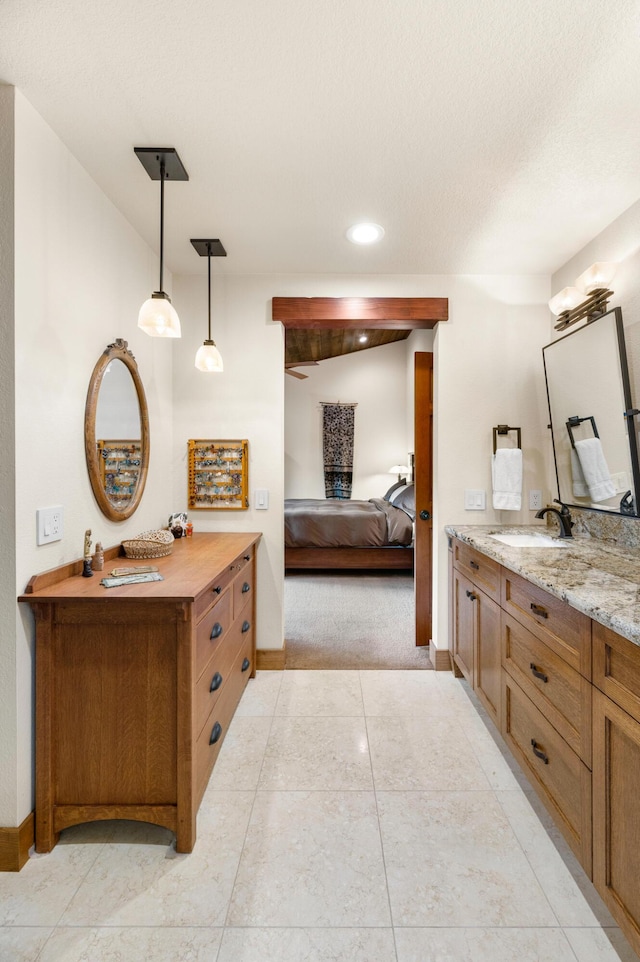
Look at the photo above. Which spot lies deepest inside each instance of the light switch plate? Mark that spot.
(475, 499)
(261, 499)
(49, 524)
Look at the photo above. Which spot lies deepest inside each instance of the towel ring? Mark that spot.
(502, 430)
(575, 422)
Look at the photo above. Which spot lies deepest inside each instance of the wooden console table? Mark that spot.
(136, 686)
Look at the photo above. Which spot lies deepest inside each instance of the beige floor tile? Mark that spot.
(482, 945)
(422, 753)
(398, 693)
(261, 694)
(134, 944)
(311, 859)
(600, 945)
(20, 944)
(240, 760)
(307, 945)
(137, 883)
(452, 858)
(317, 754)
(320, 693)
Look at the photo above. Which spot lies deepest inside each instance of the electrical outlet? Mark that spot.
(535, 500)
(49, 524)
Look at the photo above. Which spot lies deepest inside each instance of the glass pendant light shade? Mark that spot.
(208, 358)
(158, 317)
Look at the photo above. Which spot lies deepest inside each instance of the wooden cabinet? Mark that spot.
(136, 685)
(476, 624)
(616, 777)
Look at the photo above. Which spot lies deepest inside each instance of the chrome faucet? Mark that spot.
(563, 515)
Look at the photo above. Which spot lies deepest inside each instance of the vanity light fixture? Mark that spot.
(158, 317)
(400, 470)
(365, 233)
(588, 299)
(208, 357)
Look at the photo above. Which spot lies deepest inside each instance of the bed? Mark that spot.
(377, 533)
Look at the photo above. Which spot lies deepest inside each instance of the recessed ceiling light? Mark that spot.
(363, 338)
(365, 233)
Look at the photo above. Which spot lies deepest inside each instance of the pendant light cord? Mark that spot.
(161, 221)
(209, 273)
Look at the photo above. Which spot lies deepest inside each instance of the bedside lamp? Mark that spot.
(399, 469)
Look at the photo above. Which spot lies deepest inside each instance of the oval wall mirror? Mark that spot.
(116, 432)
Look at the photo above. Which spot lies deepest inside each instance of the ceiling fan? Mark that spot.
(289, 368)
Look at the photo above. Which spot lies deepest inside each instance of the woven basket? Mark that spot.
(149, 544)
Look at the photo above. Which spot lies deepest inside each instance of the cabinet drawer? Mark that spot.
(215, 588)
(215, 729)
(562, 628)
(616, 668)
(243, 590)
(558, 690)
(214, 680)
(212, 629)
(482, 571)
(560, 778)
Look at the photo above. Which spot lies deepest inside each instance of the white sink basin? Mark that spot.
(529, 540)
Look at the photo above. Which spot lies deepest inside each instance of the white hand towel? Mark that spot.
(580, 489)
(506, 476)
(595, 470)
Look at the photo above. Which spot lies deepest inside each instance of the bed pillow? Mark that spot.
(394, 487)
(405, 499)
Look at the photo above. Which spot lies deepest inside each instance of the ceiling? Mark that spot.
(493, 137)
(303, 346)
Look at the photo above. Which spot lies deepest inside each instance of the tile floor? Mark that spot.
(352, 817)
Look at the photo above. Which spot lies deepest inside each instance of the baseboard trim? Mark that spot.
(270, 659)
(440, 658)
(15, 844)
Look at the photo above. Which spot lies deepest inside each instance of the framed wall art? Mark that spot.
(218, 475)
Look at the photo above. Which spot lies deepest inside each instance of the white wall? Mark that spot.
(81, 273)
(375, 379)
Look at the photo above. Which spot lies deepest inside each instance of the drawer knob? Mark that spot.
(539, 610)
(246, 664)
(474, 564)
(471, 595)
(247, 557)
(216, 631)
(216, 731)
(538, 752)
(246, 587)
(216, 681)
(245, 627)
(539, 674)
(217, 590)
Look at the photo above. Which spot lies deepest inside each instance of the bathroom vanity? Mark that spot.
(549, 638)
(136, 685)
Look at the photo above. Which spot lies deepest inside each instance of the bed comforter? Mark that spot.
(311, 523)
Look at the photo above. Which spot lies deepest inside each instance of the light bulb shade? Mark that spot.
(208, 358)
(399, 469)
(566, 300)
(158, 317)
(597, 277)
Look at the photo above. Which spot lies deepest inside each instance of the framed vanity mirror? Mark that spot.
(594, 443)
(116, 432)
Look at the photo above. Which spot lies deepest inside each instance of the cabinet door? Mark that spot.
(488, 683)
(464, 624)
(616, 813)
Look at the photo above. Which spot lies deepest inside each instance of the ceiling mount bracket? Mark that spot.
(155, 159)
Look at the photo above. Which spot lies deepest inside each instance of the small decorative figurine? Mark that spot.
(86, 569)
(178, 524)
(98, 559)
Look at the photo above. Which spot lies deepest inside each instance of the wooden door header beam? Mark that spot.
(401, 313)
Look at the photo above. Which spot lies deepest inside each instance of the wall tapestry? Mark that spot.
(337, 449)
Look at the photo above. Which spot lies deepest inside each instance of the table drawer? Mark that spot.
(560, 778)
(565, 630)
(212, 629)
(616, 668)
(558, 690)
(484, 572)
(214, 679)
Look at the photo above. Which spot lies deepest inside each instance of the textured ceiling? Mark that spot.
(491, 137)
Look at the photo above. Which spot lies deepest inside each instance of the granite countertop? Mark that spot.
(596, 577)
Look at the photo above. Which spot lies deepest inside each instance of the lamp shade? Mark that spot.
(158, 317)
(566, 300)
(398, 469)
(597, 277)
(208, 358)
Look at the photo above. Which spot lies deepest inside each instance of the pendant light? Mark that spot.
(208, 357)
(158, 316)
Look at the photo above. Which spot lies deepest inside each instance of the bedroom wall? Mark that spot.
(376, 380)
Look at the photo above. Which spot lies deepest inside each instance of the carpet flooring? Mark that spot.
(351, 620)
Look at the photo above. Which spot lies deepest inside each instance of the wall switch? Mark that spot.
(475, 500)
(49, 524)
(261, 499)
(535, 499)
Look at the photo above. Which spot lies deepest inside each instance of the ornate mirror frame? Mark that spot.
(116, 351)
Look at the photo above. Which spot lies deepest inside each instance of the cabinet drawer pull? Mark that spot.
(247, 557)
(471, 595)
(216, 681)
(539, 610)
(216, 631)
(246, 587)
(474, 564)
(539, 674)
(538, 752)
(246, 664)
(216, 590)
(216, 731)
(245, 627)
